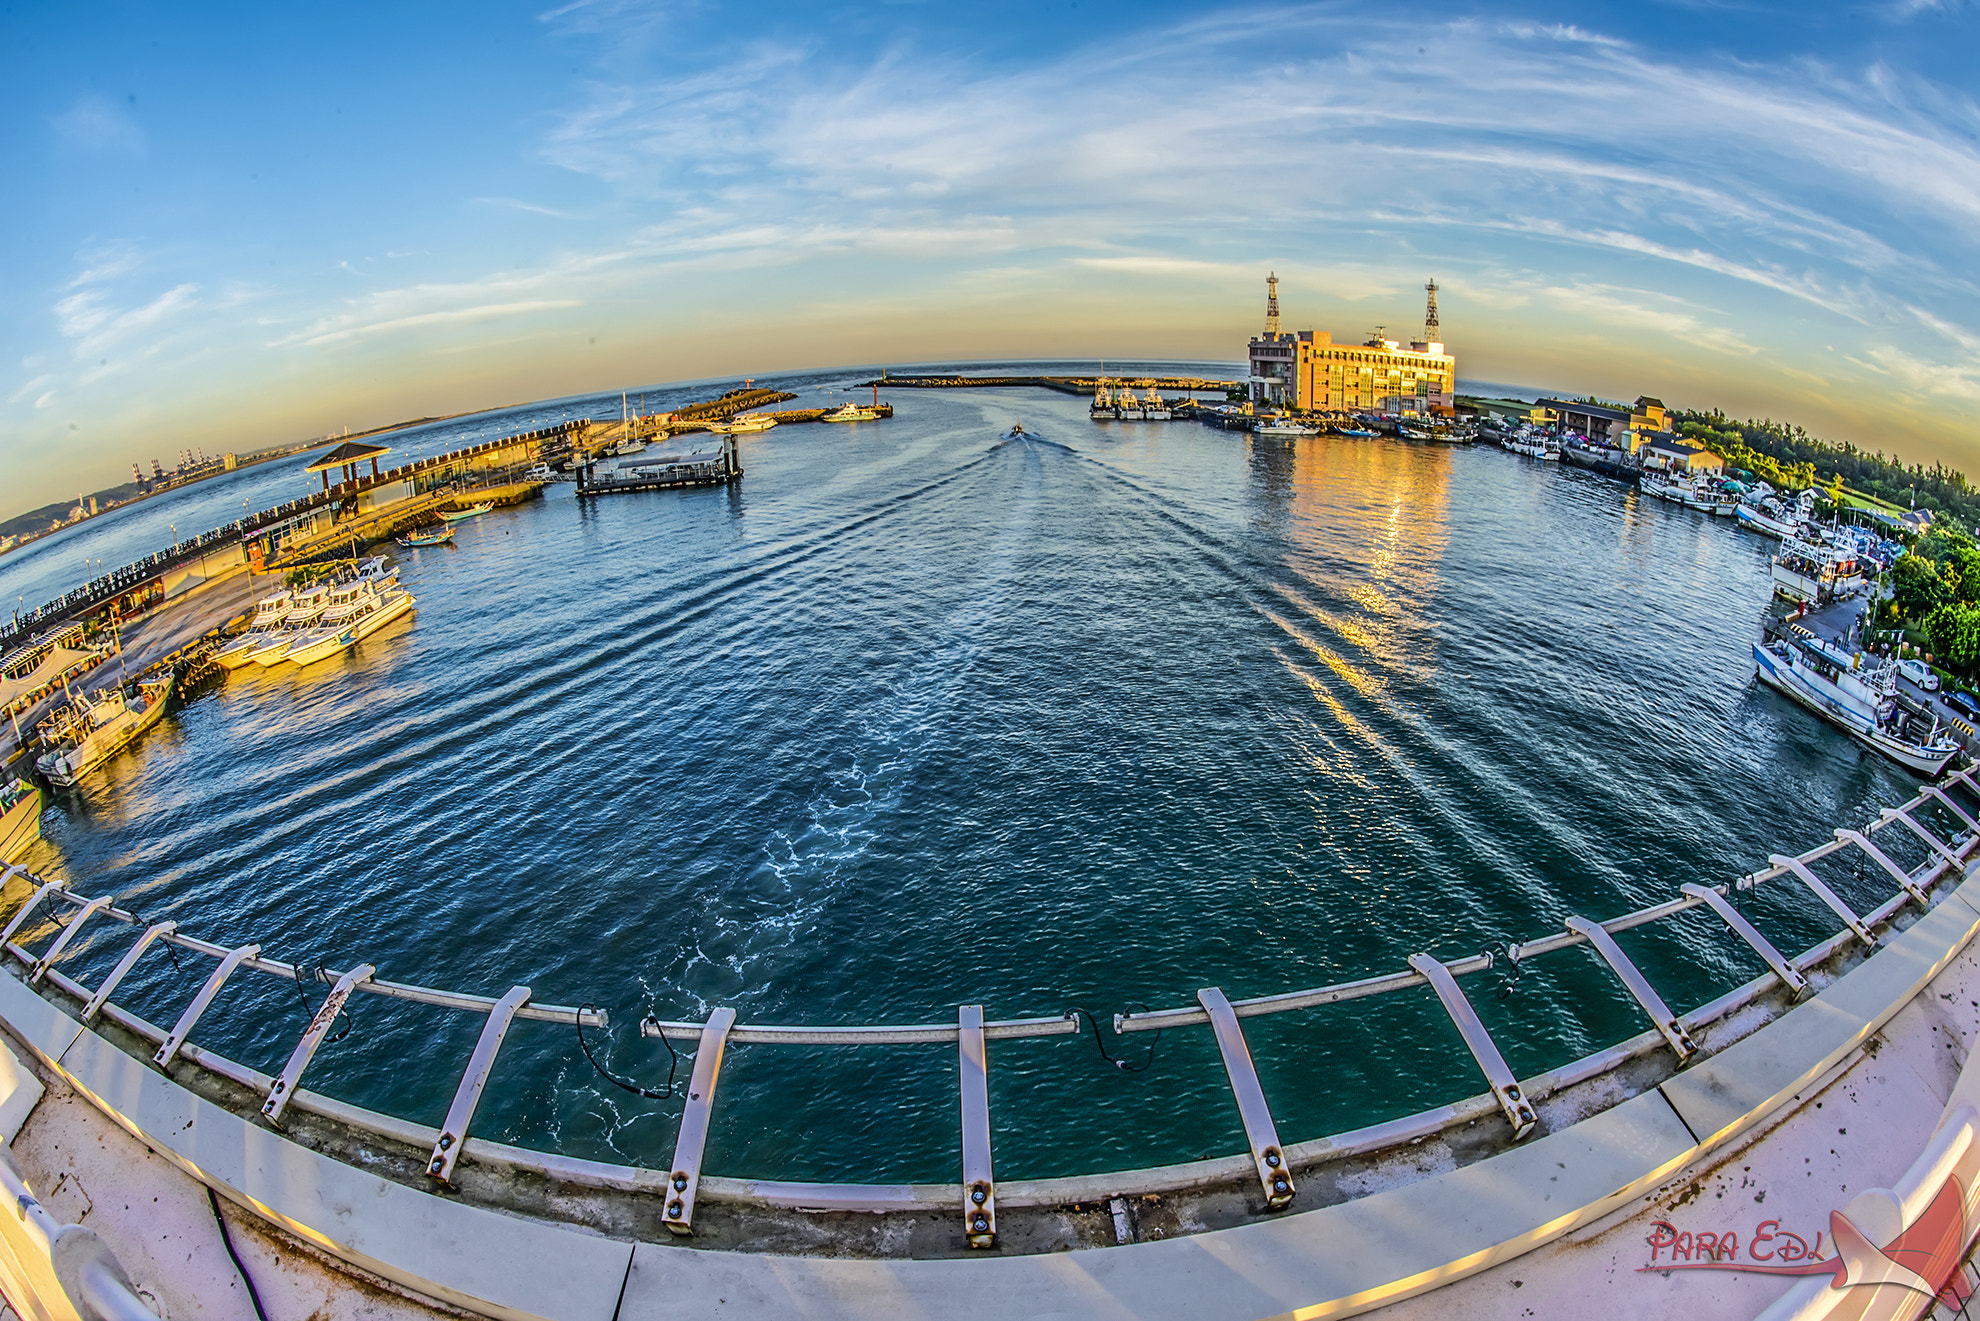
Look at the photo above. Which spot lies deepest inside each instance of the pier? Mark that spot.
(1063, 384)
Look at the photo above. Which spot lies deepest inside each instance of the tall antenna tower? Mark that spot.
(1432, 332)
(1272, 304)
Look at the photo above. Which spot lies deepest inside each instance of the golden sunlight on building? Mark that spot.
(1306, 370)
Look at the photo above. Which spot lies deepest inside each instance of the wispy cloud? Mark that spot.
(96, 124)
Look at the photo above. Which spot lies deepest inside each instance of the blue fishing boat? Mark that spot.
(426, 536)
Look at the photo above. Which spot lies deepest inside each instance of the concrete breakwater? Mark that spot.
(1063, 384)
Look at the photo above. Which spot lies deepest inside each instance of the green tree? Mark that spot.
(1955, 632)
(1915, 585)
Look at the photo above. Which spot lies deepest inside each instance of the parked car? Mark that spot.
(1966, 702)
(1919, 673)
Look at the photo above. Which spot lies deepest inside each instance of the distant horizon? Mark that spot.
(240, 225)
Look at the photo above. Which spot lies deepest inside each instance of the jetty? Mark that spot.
(1063, 384)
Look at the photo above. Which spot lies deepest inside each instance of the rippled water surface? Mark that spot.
(916, 716)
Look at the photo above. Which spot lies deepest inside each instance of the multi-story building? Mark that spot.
(1306, 370)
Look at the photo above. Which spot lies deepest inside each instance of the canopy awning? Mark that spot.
(58, 662)
(351, 451)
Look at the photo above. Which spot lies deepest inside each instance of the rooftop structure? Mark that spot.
(347, 456)
(1306, 370)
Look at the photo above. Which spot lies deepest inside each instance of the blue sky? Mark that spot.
(245, 225)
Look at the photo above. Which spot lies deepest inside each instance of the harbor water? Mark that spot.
(916, 715)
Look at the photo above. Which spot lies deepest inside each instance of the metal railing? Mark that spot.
(1270, 1162)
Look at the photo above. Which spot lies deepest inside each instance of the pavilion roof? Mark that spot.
(351, 451)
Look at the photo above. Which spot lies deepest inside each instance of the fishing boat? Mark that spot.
(1861, 701)
(426, 536)
(1127, 406)
(1361, 433)
(1017, 432)
(472, 511)
(1768, 519)
(744, 423)
(95, 728)
(1662, 485)
(1155, 408)
(20, 818)
(268, 612)
(851, 413)
(1804, 571)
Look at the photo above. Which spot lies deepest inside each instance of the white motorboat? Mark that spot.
(321, 637)
(93, 728)
(310, 603)
(851, 413)
(1103, 401)
(268, 613)
(1155, 408)
(744, 423)
(390, 603)
(1861, 701)
(1283, 428)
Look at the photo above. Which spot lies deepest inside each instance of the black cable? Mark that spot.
(1101, 1046)
(634, 1088)
(1508, 982)
(227, 1241)
(322, 974)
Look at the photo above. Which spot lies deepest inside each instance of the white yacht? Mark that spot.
(744, 423)
(90, 729)
(1862, 702)
(851, 413)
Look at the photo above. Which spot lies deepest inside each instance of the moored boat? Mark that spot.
(426, 536)
(308, 605)
(1804, 571)
(1863, 702)
(267, 616)
(390, 604)
(1768, 519)
(20, 818)
(1103, 400)
(1155, 408)
(472, 511)
(744, 423)
(851, 413)
(97, 727)
(1283, 428)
